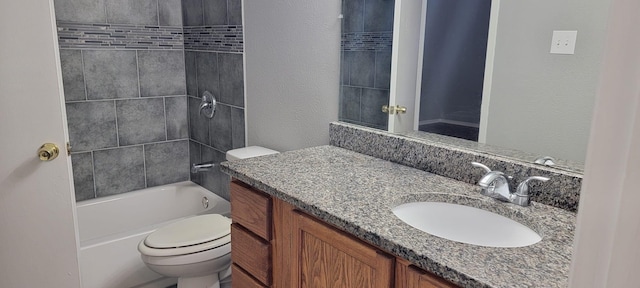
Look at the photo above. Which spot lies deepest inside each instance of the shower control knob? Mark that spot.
(48, 152)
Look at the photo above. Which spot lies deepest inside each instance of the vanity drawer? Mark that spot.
(251, 208)
(251, 253)
(239, 278)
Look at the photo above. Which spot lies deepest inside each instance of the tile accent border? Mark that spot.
(118, 36)
(219, 38)
(562, 191)
(367, 41)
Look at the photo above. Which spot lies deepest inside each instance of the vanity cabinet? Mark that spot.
(250, 237)
(275, 245)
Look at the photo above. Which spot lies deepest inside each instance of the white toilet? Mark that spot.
(197, 250)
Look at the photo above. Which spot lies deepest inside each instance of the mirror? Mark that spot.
(532, 103)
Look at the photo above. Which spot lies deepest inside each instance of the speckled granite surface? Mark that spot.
(356, 193)
(453, 161)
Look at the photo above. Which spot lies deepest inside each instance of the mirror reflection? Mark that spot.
(455, 48)
(502, 88)
(367, 36)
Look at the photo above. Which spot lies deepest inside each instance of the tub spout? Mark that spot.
(196, 168)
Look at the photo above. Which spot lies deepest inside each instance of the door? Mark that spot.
(405, 55)
(38, 242)
(325, 257)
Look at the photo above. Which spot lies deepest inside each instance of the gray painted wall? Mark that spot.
(292, 68)
(542, 102)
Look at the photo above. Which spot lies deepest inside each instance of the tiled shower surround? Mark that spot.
(132, 86)
(367, 34)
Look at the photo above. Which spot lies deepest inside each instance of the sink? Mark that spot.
(466, 224)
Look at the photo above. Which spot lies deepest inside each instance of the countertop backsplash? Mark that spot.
(562, 191)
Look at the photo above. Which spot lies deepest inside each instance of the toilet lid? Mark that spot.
(191, 231)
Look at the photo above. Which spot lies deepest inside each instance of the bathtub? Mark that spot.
(110, 229)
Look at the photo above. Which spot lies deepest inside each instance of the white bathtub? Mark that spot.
(110, 229)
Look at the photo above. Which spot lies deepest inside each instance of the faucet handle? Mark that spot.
(480, 165)
(523, 187)
(545, 160)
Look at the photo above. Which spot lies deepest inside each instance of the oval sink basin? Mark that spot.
(466, 224)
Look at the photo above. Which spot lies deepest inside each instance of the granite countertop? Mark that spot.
(356, 193)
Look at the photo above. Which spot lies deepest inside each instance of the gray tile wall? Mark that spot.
(214, 64)
(133, 85)
(367, 33)
(127, 106)
(124, 109)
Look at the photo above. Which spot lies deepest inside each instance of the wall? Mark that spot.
(528, 79)
(292, 71)
(133, 74)
(606, 251)
(367, 36)
(214, 63)
(124, 81)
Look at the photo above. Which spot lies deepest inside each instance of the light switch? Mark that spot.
(563, 42)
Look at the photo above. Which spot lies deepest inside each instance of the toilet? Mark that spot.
(196, 250)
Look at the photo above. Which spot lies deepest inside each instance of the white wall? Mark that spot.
(292, 69)
(606, 251)
(542, 102)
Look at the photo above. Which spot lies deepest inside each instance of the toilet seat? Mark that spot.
(187, 236)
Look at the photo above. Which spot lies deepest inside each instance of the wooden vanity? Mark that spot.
(276, 245)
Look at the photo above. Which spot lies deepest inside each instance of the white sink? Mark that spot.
(466, 224)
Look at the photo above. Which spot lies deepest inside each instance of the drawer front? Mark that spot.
(251, 208)
(251, 253)
(239, 278)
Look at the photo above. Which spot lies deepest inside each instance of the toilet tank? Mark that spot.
(249, 152)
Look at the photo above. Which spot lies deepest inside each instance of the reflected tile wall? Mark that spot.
(367, 35)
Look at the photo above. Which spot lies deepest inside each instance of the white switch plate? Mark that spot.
(563, 42)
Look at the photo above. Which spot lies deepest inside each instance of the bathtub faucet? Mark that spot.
(195, 168)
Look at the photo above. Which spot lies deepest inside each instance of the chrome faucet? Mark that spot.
(496, 185)
(195, 168)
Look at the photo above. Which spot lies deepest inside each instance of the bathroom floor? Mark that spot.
(458, 131)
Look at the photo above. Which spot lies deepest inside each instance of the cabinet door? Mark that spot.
(408, 276)
(326, 257)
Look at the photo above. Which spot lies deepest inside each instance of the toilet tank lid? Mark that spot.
(249, 152)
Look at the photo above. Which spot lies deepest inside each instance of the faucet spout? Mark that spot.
(494, 184)
(196, 168)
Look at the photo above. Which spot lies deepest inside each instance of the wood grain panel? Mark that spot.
(251, 253)
(410, 276)
(251, 208)
(281, 244)
(240, 278)
(327, 257)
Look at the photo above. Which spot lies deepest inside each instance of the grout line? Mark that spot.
(131, 146)
(166, 133)
(138, 71)
(202, 5)
(158, 11)
(364, 87)
(227, 14)
(93, 168)
(84, 78)
(360, 104)
(375, 67)
(115, 110)
(121, 99)
(106, 14)
(144, 165)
